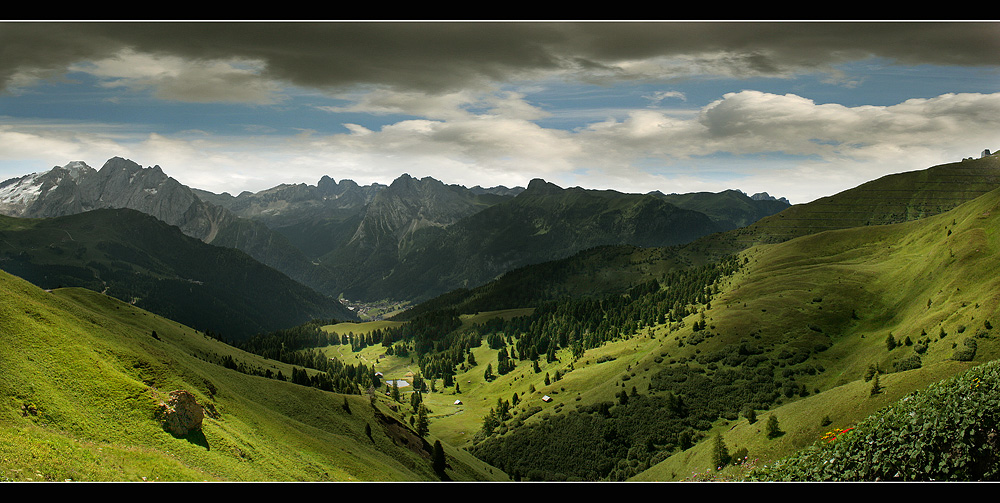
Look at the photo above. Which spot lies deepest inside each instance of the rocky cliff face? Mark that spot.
(291, 204)
(121, 183)
(409, 204)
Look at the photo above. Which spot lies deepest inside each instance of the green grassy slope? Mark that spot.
(930, 283)
(83, 375)
(890, 199)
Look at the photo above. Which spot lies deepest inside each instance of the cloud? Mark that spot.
(445, 57)
(754, 122)
(659, 96)
(174, 78)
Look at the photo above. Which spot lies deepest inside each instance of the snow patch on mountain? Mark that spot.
(17, 194)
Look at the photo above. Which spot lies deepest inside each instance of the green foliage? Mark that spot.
(720, 454)
(890, 343)
(944, 433)
(421, 424)
(438, 459)
(297, 346)
(967, 352)
(876, 386)
(871, 372)
(772, 429)
(909, 363)
(590, 442)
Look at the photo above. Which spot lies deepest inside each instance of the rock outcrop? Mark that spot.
(182, 414)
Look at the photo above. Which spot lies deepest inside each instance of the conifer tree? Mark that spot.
(773, 430)
(720, 454)
(422, 421)
(439, 462)
(876, 386)
(415, 401)
(890, 343)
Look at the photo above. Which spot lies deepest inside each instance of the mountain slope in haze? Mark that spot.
(314, 219)
(330, 215)
(121, 183)
(138, 258)
(84, 375)
(416, 237)
(542, 223)
(731, 208)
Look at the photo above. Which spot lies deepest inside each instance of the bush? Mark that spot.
(910, 363)
(968, 352)
(773, 430)
(947, 432)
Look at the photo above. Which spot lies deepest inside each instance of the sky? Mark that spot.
(798, 109)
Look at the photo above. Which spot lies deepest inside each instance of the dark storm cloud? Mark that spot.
(445, 56)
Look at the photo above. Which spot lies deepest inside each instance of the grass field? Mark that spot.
(83, 376)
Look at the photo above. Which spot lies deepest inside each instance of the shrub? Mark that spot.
(773, 430)
(966, 353)
(910, 363)
(871, 372)
(946, 432)
(720, 455)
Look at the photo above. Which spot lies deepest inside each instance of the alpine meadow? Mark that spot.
(499, 252)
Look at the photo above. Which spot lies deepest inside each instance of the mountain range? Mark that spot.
(410, 240)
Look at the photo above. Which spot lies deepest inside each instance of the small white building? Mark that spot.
(546, 398)
(458, 402)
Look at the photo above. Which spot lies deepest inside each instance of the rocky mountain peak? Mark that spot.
(537, 186)
(77, 169)
(120, 164)
(764, 196)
